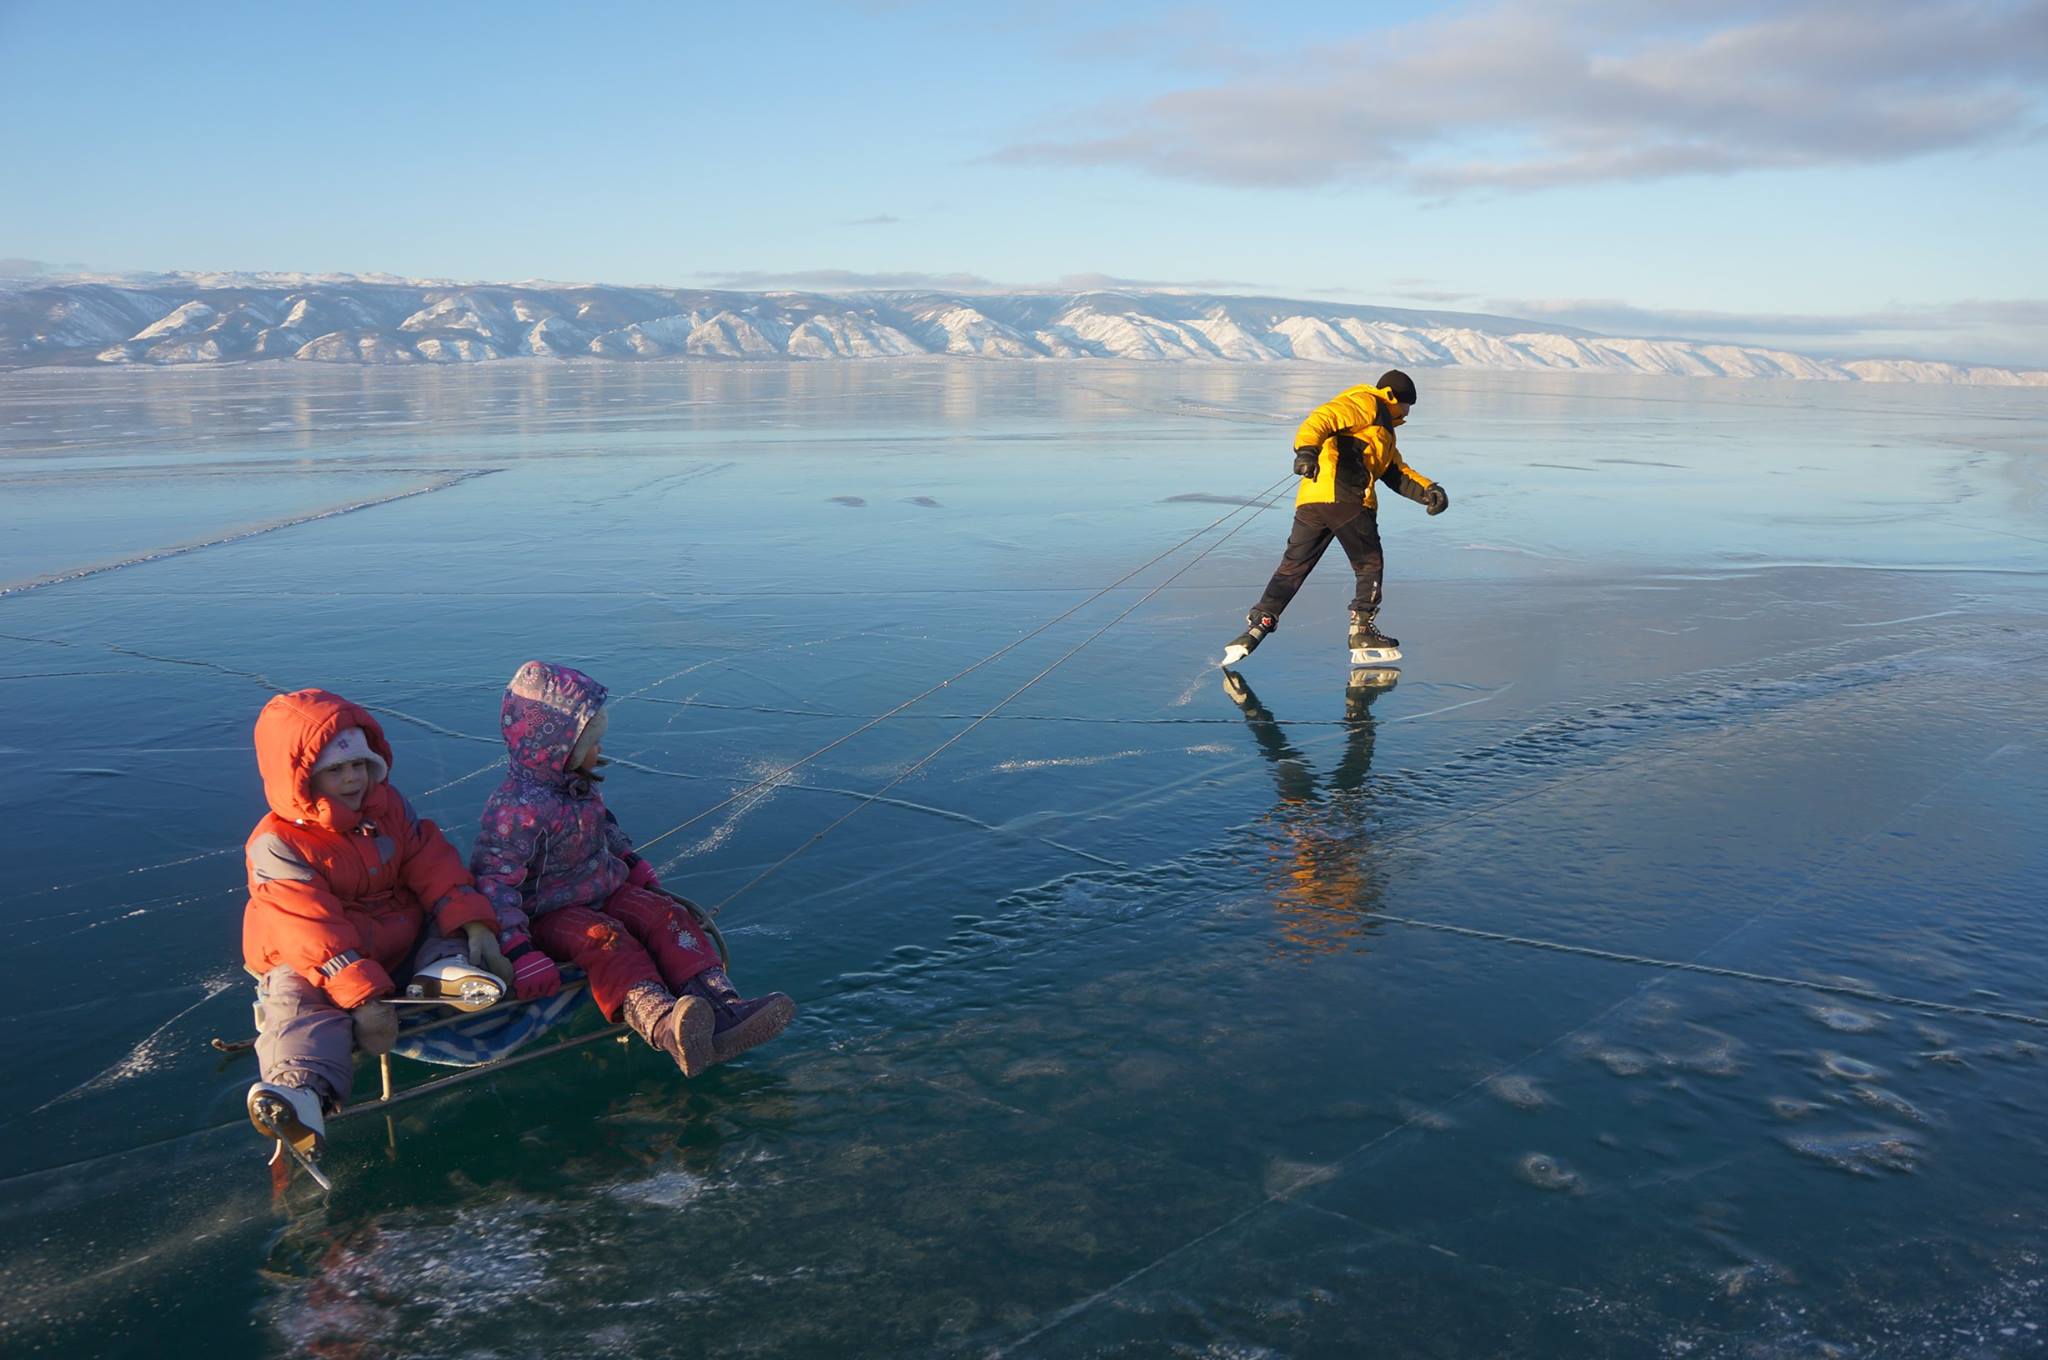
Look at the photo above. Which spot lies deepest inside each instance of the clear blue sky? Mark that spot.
(1867, 179)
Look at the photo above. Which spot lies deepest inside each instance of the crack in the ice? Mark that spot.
(239, 536)
(1041, 907)
(665, 483)
(140, 655)
(760, 793)
(977, 665)
(139, 1058)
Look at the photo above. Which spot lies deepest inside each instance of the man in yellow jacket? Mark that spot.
(1344, 446)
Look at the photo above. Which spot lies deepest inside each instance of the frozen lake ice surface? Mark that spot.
(1655, 970)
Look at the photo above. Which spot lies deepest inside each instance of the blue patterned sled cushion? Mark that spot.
(489, 1035)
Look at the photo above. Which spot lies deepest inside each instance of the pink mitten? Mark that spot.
(534, 974)
(641, 875)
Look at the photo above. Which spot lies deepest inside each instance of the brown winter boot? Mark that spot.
(679, 1026)
(739, 1024)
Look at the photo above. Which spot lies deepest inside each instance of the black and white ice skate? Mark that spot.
(1369, 646)
(1247, 642)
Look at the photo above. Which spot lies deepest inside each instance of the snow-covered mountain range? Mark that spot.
(215, 319)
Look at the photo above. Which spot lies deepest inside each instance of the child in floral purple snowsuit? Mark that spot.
(552, 860)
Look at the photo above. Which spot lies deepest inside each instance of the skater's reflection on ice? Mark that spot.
(1326, 880)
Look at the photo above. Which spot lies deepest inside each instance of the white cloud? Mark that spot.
(1520, 94)
(1194, 38)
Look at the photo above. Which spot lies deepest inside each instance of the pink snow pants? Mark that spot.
(637, 937)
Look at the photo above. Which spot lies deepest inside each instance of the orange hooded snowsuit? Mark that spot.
(340, 896)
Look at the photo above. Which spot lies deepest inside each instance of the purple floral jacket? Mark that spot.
(547, 840)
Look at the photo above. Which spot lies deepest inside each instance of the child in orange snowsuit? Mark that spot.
(348, 889)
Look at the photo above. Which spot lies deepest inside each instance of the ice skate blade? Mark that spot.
(456, 1002)
(1375, 656)
(465, 989)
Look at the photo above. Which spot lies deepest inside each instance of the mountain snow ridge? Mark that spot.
(231, 318)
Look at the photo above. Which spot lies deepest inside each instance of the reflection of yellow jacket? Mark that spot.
(1355, 430)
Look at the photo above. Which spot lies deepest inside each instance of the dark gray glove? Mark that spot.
(1436, 500)
(376, 1026)
(1306, 461)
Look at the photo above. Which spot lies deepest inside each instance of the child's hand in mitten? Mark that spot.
(376, 1025)
(534, 974)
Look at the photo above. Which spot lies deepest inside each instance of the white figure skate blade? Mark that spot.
(1375, 656)
(454, 983)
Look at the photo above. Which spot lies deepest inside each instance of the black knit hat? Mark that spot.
(1400, 384)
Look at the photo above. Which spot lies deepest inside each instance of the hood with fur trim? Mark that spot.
(291, 732)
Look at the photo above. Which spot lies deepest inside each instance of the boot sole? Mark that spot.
(694, 1051)
(276, 1120)
(756, 1029)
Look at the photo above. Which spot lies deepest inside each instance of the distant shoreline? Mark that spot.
(2020, 381)
(223, 321)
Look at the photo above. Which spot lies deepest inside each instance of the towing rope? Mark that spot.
(1261, 503)
(776, 778)
(1712, 970)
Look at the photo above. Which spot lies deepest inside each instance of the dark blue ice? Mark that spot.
(1134, 1022)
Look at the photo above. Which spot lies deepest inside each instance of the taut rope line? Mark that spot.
(1254, 505)
(1739, 974)
(936, 751)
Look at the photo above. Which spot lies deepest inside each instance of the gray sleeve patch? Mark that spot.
(272, 860)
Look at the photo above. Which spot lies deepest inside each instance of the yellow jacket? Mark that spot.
(1356, 435)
